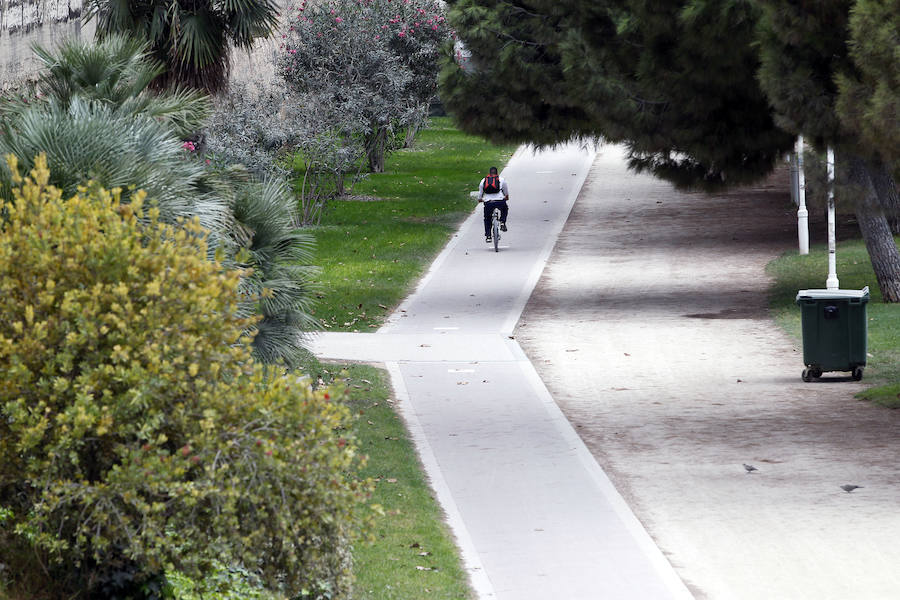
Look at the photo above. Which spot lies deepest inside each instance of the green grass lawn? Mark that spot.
(793, 272)
(373, 249)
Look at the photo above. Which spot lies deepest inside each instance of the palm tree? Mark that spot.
(192, 38)
(277, 255)
(89, 142)
(117, 72)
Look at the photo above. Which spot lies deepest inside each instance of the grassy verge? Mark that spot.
(413, 555)
(793, 272)
(374, 247)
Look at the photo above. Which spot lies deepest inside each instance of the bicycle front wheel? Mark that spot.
(496, 236)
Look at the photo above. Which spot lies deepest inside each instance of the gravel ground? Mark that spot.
(650, 328)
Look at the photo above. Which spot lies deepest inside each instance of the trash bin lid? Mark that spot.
(862, 294)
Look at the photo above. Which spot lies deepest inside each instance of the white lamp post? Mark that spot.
(802, 213)
(832, 282)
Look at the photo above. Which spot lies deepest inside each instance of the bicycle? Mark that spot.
(495, 229)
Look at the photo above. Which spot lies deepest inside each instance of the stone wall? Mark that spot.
(24, 23)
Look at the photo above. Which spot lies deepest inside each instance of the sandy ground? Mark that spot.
(650, 328)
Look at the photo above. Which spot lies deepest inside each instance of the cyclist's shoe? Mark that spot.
(488, 239)
(502, 226)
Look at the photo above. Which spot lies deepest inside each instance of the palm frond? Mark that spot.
(117, 72)
(280, 283)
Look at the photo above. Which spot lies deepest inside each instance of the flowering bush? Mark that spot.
(136, 437)
(374, 58)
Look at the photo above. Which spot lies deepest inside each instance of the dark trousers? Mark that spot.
(489, 206)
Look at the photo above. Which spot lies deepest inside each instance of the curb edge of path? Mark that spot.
(650, 549)
(471, 563)
(509, 325)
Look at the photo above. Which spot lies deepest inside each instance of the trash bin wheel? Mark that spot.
(806, 376)
(857, 373)
(815, 372)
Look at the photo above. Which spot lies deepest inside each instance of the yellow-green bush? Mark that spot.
(136, 435)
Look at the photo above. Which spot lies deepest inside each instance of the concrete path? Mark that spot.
(533, 513)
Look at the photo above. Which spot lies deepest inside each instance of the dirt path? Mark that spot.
(650, 329)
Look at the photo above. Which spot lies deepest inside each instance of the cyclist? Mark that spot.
(494, 192)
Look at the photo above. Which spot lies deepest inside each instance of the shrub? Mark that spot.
(373, 59)
(136, 435)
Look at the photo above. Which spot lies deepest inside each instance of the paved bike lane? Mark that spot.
(533, 513)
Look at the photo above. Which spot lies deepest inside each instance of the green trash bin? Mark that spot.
(834, 331)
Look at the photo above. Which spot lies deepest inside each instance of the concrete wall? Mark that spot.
(24, 23)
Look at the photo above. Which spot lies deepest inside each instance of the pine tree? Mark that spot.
(673, 81)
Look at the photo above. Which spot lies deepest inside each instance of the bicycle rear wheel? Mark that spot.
(496, 234)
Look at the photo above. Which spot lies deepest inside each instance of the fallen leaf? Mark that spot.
(391, 480)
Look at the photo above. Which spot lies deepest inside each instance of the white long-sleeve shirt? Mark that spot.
(503, 193)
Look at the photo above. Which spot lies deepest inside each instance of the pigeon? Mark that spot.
(750, 468)
(849, 487)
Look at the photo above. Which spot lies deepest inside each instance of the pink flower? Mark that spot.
(189, 146)
(401, 34)
(338, 20)
(435, 27)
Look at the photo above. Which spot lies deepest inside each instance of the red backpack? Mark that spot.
(491, 184)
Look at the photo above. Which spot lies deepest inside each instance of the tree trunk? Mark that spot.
(411, 130)
(375, 150)
(414, 125)
(873, 224)
(886, 189)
